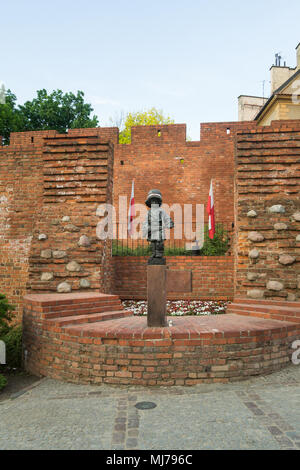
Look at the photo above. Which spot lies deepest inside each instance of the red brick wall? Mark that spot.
(25, 209)
(212, 277)
(77, 177)
(181, 170)
(267, 174)
(20, 199)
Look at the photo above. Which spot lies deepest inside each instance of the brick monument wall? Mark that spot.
(65, 252)
(21, 194)
(44, 177)
(212, 277)
(47, 179)
(267, 263)
(160, 157)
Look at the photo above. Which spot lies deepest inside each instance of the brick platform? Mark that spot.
(89, 338)
(286, 311)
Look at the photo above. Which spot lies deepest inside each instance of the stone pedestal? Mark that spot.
(156, 295)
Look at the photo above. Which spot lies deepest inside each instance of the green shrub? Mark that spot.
(13, 343)
(219, 245)
(10, 334)
(6, 310)
(145, 250)
(3, 382)
(216, 247)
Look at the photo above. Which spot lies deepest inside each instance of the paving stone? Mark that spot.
(118, 437)
(57, 415)
(131, 443)
(293, 435)
(274, 430)
(284, 441)
(120, 427)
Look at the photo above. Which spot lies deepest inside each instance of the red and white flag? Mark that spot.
(211, 213)
(131, 212)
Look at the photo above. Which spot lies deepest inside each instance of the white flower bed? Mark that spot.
(180, 307)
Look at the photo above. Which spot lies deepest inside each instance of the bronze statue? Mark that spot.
(154, 226)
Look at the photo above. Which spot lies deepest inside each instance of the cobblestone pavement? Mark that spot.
(260, 413)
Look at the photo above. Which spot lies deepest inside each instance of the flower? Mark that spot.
(180, 307)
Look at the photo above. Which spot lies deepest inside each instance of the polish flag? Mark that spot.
(211, 213)
(131, 212)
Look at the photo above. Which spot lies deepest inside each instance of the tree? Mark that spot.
(142, 118)
(57, 111)
(10, 118)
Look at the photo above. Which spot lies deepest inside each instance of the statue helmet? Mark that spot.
(153, 193)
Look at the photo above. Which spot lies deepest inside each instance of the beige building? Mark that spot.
(249, 106)
(284, 102)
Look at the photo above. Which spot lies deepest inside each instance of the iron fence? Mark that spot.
(189, 243)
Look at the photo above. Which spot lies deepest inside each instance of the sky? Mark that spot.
(191, 59)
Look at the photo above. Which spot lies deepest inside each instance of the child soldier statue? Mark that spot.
(154, 226)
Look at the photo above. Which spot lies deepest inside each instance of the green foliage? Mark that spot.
(58, 111)
(10, 117)
(122, 249)
(219, 245)
(10, 334)
(119, 249)
(13, 343)
(142, 118)
(176, 251)
(3, 382)
(6, 310)
(216, 247)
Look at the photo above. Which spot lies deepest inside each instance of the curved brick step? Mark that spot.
(84, 309)
(90, 318)
(282, 311)
(283, 303)
(258, 314)
(264, 308)
(213, 327)
(124, 350)
(74, 304)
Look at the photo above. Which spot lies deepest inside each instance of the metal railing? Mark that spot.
(125, 245)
